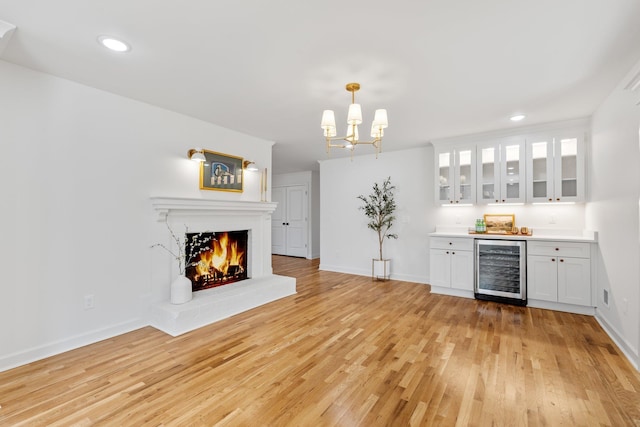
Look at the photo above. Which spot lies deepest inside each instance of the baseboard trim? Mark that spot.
(630, 353)
(51, 349)
(452, 292)
(367, 273)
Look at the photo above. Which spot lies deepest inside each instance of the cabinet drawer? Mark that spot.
(457, 243)
(568, 249)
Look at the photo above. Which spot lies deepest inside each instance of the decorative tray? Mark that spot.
(502, 233)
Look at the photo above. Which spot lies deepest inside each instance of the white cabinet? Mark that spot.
(559, 272)
(501, 171)
(451, 261)
(455, 175)
(289, 221)
(555, 168)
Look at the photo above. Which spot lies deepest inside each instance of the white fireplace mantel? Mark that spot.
(211, 305)
(166, 205)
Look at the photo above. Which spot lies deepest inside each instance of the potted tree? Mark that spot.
(379, 207)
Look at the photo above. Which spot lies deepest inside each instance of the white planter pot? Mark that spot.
(181, 290)
(381, 269)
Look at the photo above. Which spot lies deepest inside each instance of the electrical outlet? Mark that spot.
(89, 302)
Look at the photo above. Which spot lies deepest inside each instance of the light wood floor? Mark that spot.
(344, 351)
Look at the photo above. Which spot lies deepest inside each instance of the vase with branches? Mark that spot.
(186, 255)
(380, 207)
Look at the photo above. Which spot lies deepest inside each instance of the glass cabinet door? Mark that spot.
(512, 171)
(567, 169)
(488, 173)
(540, 170)
(465, 175)
(445, 177)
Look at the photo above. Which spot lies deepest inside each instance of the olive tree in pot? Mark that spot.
(379, 207)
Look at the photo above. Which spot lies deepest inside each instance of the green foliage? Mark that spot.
(379, 207)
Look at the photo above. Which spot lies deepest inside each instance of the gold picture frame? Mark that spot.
(499, 223)
(221, 172)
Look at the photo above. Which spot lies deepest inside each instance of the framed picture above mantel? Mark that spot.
(221, 172)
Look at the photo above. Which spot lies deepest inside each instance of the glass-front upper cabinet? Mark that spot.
(501, 172)
(488, 173)
(455, 175)
(512, 155)
(567, 185)
(555, 168)
(444, 180)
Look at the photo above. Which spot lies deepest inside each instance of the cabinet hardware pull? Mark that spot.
(557, 249)
(558, 199)
(502, 200)
(561, 260)
(551, 200)
(453, 253)
(447, 252)
(553, 259)
(497, 201)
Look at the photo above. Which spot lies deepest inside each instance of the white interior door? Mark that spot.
(289, 222)
(296, 235)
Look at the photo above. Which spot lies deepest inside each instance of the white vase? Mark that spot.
(381, 269)
(181, 290)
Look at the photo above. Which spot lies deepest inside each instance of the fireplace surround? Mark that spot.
(216, 303)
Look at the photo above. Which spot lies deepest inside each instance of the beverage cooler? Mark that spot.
(501, 271)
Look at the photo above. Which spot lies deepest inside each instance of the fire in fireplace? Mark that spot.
(219, 258)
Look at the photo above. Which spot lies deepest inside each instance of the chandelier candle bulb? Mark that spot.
(328, 120)
(354, 117)
(380, 118)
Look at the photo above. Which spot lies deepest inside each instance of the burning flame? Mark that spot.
(222, 255)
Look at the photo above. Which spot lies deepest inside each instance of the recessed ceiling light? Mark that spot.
(517, 117)
(114, 44)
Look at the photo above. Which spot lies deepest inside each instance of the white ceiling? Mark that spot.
(269, 68)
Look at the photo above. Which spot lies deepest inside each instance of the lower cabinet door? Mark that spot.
(542, 278)
(462, 270)
(574, 281)
(440, 265)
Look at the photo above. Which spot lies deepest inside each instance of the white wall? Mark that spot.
(613, 211)
(312, 180)
(347, 245)
(76, 217)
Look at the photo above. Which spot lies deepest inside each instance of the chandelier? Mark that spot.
(354, 118)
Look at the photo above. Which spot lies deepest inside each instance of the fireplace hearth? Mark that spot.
(216, 258)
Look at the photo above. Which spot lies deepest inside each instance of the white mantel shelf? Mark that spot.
(165, 205)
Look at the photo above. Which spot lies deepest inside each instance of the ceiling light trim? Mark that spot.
(114, 44)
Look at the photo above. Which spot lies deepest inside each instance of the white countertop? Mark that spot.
(537, 234)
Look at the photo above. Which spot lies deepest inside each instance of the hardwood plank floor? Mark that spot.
(344, 351)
